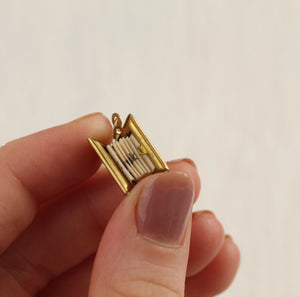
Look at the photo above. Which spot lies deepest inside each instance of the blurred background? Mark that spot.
(217, 81)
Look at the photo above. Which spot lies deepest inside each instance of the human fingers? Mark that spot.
(67, 232)
(36, 167)
(144, 249)
(207, 238)
(218, 275)
(74, 283)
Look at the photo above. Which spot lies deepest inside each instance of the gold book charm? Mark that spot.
(131, 156)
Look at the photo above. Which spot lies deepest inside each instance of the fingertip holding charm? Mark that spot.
(131, 156)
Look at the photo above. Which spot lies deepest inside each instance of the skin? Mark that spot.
(62, 220)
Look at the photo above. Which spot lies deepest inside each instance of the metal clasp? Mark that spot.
(117, 122)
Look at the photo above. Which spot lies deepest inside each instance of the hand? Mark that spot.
(56, 206)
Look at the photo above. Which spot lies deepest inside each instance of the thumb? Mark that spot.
(144, 249)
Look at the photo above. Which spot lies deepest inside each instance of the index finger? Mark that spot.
(37, 167)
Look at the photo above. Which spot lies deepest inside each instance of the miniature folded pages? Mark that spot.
(131, 156)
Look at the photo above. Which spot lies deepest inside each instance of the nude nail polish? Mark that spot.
(164, 208)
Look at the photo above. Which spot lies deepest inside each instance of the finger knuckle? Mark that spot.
(144, 288)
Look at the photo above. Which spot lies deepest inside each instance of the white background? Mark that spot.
(214, 80)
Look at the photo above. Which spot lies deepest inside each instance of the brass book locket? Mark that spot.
(131, 156)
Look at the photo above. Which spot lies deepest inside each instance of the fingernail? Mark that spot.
(164, 208)
(87, 116)
(206, 211)
(227, 236)
(187, 160)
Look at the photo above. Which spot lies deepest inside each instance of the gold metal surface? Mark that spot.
(117, 122)
(131, 126)
(110, 164)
